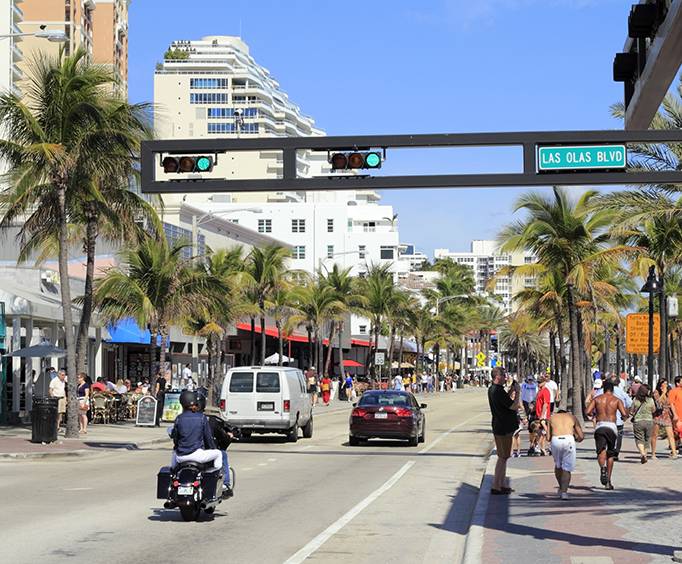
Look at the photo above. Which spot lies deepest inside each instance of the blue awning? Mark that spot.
(127, 331)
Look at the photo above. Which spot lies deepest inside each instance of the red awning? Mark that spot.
(272, 332)
(360, 343)
(351, 363)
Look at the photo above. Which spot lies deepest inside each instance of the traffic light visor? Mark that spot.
(356, 160)
(339, 161)
(186, 164)
(170, 164)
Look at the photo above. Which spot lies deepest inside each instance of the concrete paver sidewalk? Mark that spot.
(15, 442)
(639, 521)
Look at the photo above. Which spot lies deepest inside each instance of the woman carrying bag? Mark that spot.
(642, 413)
(663, 419)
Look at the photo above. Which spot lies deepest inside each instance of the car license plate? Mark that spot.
(185, 490)
(381, 416)
(266, 406)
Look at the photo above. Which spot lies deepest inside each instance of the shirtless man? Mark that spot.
(564, 431)
(606, 432)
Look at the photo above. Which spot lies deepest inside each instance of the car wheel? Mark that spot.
(292, 435)
(246, 434)
(308, 429)
(422, 437)
(353, 441)
(413, 441)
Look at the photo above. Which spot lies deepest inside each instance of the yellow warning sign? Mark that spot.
(637, 333)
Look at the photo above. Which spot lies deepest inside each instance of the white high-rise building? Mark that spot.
(485, 260)
(10, 52)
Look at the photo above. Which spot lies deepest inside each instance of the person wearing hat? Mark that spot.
(223, 436)
(594, 392)
(635, 386)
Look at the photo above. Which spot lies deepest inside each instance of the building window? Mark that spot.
(369, 226)
(264, 226)
(363, 329)
(298, 225)
(221, 127)
(299, 252)
(386, 253)
(362, 251)
(330, 251)
(330, 226)
(199, 83)
(208, 98)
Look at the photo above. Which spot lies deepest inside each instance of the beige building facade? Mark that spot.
(98, 26)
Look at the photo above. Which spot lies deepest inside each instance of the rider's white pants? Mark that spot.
(200, 455)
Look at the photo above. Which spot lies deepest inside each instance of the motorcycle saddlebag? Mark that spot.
(163, 480)
(211, 482)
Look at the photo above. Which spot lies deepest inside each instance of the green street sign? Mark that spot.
(581, 157)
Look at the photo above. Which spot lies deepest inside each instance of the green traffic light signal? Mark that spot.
(204, 164)
(372, 160)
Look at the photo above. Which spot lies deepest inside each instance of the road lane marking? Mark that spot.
(446, 433)
(340, 523)
(76, 489)
(272, 460)
(262, 464)
(245, 469)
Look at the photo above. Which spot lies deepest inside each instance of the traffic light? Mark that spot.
(186, 164)
(355, 160)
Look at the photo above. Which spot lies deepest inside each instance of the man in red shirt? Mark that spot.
(542, 412)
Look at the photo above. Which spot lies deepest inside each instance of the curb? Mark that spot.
(80, 453)
(473, 545)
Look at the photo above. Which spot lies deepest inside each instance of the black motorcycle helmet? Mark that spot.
(188, 399)
(201, 401)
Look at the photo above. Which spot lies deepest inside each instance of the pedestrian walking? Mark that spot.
(606, 433)
(185, 376)
(622, 395)
(57, 389)
(348, 386)
(554, 393)
(83, 392)
(398, 383)
(425, 383)
(160, 394)
(642, 415)
(311, 379)
(503, 407)
(663, 419)
(675, 398)
(326, 386)
(564, 432)
(542, 414)
(529, 391)
(635, 386)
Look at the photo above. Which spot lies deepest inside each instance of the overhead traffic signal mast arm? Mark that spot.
(530, 142)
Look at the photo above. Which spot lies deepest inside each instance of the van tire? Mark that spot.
(308, 429)
(292, 435)
(353, 441)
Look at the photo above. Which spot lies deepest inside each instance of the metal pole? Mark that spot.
(650, 354)
(195, 254)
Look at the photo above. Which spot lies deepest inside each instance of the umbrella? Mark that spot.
(43, 350)
(348, 363)
(274, 359)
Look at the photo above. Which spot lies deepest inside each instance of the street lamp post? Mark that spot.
(651, 286)
(53, 35)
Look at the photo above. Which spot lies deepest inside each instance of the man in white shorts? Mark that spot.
(564, 431)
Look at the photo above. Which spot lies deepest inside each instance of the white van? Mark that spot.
(267, 399)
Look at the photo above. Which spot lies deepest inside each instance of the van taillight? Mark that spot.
(287, 406)
(222, 405)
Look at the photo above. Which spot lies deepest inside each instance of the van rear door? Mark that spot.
(268, 396)
(240, 392)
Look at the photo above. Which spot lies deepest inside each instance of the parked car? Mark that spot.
(387, 414)
(267, 399)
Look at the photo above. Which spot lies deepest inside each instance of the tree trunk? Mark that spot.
(253, 341)
(607, 350)
(152, 355)
(163, 331)
(663, 344)
(280, 342)
(552, 355)
(65, 285)
(330, 350)
(263, 336)
(213, 350)
(575, 360)
(91, 233)
(311, 349)
(562, 355)
(400, 353)
(389, 355)
(518, 361)
(376, 348)
(341, 349)
(618, 359)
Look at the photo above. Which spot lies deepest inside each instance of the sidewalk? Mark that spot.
(15, 442)
(639, 521)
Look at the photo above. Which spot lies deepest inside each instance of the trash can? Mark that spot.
(460, 383)
(44, 420)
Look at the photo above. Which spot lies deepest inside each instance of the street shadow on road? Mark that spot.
(111, 445)
(458, 519)
(366, 451)
(173, 515)
(263, 439)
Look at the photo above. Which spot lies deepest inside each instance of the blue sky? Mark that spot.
(407, 66)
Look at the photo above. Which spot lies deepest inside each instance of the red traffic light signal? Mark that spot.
(185, 164)
(355, 160)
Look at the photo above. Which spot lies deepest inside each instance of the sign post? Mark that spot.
(637, 333)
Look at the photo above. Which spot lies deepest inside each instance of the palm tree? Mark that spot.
(423, 324)
(378, 289)
(346, 290)
(157, 287)
(521, 334)
(57, 141)
(279, 306)
(266, 267)
(566, 236)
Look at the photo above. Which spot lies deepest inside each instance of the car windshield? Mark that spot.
(384, 399)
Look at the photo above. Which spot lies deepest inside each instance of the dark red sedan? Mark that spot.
(387, 414)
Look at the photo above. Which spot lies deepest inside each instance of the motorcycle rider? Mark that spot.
(191, 434)
(222, 435)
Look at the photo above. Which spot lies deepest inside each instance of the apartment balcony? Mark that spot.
(17, 14)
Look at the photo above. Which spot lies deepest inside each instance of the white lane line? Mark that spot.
(245, 469)
(262, 464)
(272, 460)
(76, 489)
(305, 448)
(339, 524)
(450, 430)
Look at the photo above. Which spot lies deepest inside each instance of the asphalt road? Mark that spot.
(317, 499)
